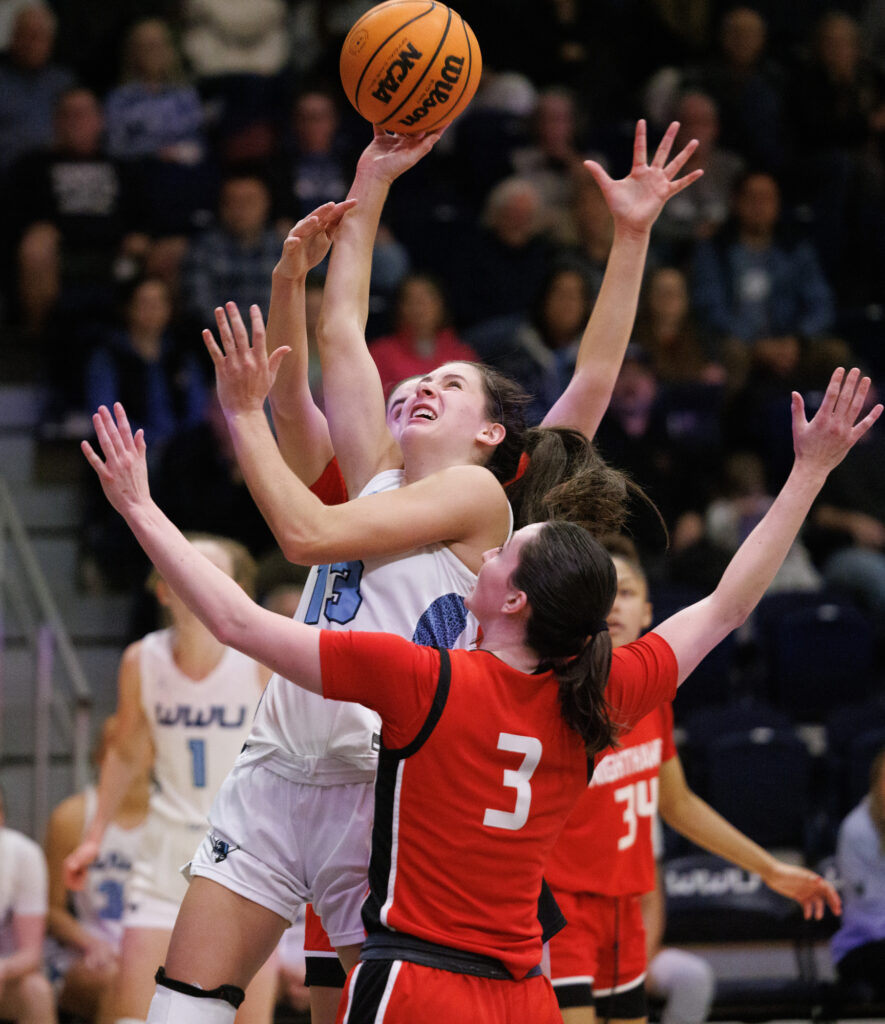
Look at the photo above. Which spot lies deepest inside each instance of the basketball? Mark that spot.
(410, 65)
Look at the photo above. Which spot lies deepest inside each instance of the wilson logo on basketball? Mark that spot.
(390, 81)
(439, 91)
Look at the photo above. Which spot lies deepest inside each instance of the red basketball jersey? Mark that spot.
(477, 775)
(606, 844)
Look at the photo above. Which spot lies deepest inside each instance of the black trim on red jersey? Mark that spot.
(414, 950)
(369, 986)
(385, 789)
(436, 708)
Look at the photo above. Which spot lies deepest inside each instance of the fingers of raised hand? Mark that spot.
(665, 145)
(240, 335)
(640, 143)
(681, 158)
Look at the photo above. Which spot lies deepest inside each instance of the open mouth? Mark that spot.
(422, 412)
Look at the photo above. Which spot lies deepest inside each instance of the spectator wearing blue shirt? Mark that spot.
(141, 365)
(754, 285)
(154, 120)
(233, 260)
(30, 84)
(858, 947)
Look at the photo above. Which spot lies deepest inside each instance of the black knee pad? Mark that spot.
(232, 994)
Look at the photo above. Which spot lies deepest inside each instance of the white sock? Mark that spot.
(129, 1020)
(170, 1007)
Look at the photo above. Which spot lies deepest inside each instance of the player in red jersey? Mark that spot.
(457, 858)
(604, 858)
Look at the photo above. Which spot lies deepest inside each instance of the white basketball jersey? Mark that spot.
(198, 726)
(417, 595)
(98, 906)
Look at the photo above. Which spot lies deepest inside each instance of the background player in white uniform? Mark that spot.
(85, 928)
(25, 993)
(185, 703)
(295, 650)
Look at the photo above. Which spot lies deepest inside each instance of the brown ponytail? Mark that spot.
(570, 582)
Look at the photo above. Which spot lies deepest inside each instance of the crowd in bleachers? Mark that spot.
(153, 155)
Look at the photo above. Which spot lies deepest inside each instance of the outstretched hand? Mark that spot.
(812, 892)
(388, 156)
(244, 373)
(636, 201)
(834, 429)
(308, 242)
(123, 473)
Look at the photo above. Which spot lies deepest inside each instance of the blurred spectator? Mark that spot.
(748, 89)
(142, 364)
(849, 524)
(743, 501)
(423, 337)
(593, 231)
(85, 927)
(154, 120)
(837, 115)
(500, 269)
(665, 453)
(25, 993)
(553, 160)
(858, 947)
(700, 210)
(316, 165)
(232, 261)
(540, 350)
(756, 286)
(76, 217)
(238, 54)
(30, 84)
(8, 12)
(223, 37)
(495, 124)
(666, 328)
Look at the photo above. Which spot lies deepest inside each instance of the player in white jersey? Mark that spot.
(185, 705)
(452, 423)
(85, 928)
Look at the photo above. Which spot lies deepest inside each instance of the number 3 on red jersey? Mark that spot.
(517, 779)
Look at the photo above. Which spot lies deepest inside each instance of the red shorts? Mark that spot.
(600, 930)
(398, 992)
(315, 938)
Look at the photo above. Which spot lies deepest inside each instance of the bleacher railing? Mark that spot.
(62, 698)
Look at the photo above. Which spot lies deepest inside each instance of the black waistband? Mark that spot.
(388, 946)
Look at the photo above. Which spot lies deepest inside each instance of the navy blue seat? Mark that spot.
(816, 656)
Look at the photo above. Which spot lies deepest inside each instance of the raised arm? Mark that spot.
(819, 446)
(286, 646)
(462, 505)
(695, 819)
(352, 391)
(301, 428)
(635, 203)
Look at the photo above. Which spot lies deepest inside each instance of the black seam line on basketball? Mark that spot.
(452, 111)
(406, 99)
(368, 64)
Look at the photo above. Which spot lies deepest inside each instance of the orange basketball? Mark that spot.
(410, 65)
